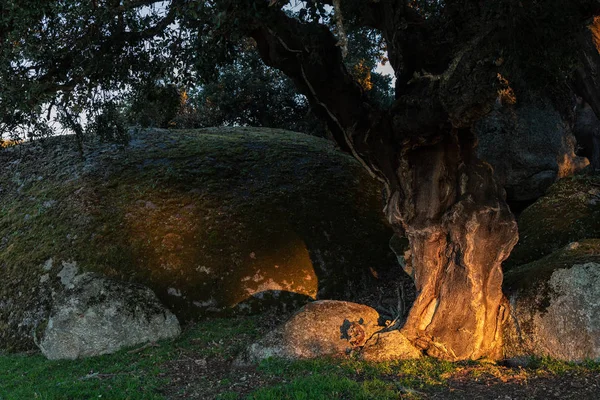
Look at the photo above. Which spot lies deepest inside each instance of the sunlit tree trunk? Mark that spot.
(460, 230)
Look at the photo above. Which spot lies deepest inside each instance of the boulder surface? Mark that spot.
(335, 329)
(529, 146)
(389, 346)
(94, 315)
(321, 328)
(555, 305)
(569, 212)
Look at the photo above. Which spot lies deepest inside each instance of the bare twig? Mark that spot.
(144, 347)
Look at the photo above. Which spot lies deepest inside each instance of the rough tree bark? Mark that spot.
(460, 230)
(439, 194)
(586, 84)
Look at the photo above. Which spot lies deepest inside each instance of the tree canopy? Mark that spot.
(60, 59)
(67, 55)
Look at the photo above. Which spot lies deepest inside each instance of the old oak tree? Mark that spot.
(454, 60)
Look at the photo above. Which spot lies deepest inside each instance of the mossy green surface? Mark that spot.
(569, 212)
(539, 271)
(205, 218)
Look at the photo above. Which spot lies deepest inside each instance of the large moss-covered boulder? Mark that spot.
(207, 219)
(555, 305)
(569, 212)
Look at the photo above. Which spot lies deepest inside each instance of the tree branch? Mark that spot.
(308, 54)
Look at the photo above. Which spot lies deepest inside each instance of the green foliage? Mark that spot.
(109, 125)
(155, 105)
(58, 55)
(248, 93)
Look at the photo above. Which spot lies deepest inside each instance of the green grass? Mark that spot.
(325, 387)
(122, 375)
(118, 376)
(557, 367)
(419, 373)
(411, 379)
(145, 374)
(337, 377)
(141, 375)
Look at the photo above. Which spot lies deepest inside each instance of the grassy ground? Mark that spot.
(199, 365)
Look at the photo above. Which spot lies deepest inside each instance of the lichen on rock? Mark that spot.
(94, 315)
(555, 306)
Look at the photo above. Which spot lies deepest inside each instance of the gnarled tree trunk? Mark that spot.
(586, 83)
(460, 230)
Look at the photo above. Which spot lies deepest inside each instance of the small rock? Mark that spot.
(389, 346)
(573, 246)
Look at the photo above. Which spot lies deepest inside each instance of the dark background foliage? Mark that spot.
(69, 67)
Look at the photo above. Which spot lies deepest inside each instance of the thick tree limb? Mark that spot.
(308, 54)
